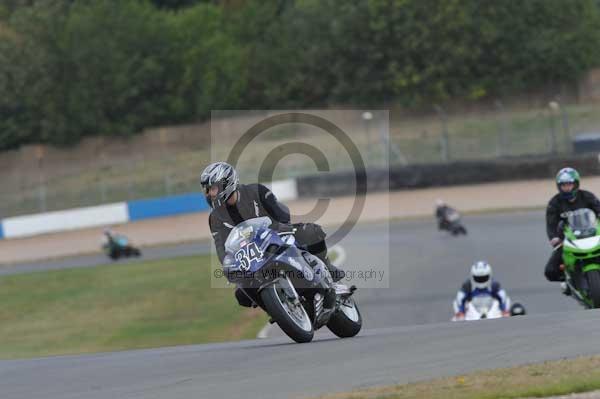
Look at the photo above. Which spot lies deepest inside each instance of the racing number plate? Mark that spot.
(248, 255)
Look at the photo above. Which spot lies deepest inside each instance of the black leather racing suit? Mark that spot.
(556, 212)
(256, 200)
(441, 213)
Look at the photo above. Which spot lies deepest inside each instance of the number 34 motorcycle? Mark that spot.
(293, 286)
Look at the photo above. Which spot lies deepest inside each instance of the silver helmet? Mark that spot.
(222, 175)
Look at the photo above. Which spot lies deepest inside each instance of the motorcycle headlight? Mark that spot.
(228, 261)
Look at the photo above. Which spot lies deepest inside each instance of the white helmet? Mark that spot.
(481, 275)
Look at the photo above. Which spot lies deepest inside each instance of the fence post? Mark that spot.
(367, 117)
(502, 142)
(101, 165)
(130, 189)
(102, 190)
(42, 200)
(445, 142)
(554, 109)
(389, 147)
(168, 184)
(43, 206)
(165, 158)
(564, 115)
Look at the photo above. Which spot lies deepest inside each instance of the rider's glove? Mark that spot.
(555, 241)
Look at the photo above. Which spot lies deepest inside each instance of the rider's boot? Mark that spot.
(336, 273)
(566, 290)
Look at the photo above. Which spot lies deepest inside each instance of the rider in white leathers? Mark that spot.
(480, 283)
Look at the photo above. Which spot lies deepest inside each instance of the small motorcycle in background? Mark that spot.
(450, 221)
(117, 246)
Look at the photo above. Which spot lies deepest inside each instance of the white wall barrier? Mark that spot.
(284, 189)
(104, 215)
(29, 225)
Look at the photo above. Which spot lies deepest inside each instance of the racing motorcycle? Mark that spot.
(488, 307)
(451, 222)
(118, 246)
(293, 286)
(581, 257)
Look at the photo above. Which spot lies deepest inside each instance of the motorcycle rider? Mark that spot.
(442, 210)
(108, 238)
(232, 203)
(480, 283)
(569, 198)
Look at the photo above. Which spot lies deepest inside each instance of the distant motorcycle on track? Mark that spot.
(290, 284)
(117, 246)
(449, 219)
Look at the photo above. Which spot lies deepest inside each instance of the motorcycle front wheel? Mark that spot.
(288, 313)
(593, 278)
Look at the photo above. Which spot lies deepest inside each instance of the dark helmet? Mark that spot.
(517, 310)
(568, 175)
(224, 177)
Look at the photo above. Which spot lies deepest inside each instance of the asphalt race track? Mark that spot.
(276, 368)
(406, 336)
(101, 259)
(427, 267)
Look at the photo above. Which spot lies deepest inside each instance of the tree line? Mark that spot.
(75, 68)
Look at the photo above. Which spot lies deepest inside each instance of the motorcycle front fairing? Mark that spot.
(483, 308)
(257, 255)
(581, 252)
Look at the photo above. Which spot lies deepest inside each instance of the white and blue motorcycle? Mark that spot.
(293, 286)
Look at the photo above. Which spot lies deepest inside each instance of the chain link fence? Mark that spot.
(495, 133)
(438, 137)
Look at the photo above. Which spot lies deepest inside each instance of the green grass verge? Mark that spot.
(119, 307)
(537, 380)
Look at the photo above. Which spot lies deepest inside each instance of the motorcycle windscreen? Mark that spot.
(245, 232)
(246, 244)
(582, 223)
(482, 303)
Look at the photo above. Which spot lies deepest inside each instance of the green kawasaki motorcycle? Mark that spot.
(581, 257)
